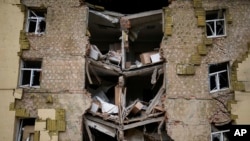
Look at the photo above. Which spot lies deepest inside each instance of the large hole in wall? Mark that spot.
(144, 35)
(131, 89)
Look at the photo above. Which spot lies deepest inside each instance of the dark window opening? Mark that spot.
(36, 22)
(25, 129)
(30, 73)
(215, 23)
(218, 76)
(221, 132)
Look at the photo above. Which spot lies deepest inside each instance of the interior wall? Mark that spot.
(11, 21)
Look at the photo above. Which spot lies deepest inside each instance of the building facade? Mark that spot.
(82, 70)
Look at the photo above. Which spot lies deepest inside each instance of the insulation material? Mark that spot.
(200, 12)
(18, 93)
(36, 136)
(21, 113)
(40, 125)
(44, 114)
(51, 125)
(229, 17)
(202, 50)
(61, 125)
(60, 114)
(23, 40)
(208, 41)
(190, 69)
(12, 106)
(44, 136)
(196, 59)
(168, 30)
(185, 69)
(197, 3)
(201, 20)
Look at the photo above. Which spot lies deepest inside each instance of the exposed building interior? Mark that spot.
(127, 94)
(124, 70)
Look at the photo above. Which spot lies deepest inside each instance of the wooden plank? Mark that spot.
(88, 130)
(102, 121)
(133, 125)
(155, 100)
(102, 128)
(140, 71)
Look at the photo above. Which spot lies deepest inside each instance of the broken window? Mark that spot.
(215, 23)
(30, 73)
(218, 76)
(25, 129)
(220, 133)
(36, 21)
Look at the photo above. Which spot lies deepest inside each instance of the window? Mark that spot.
(36, 21)
(30, 73)
(215, 23)
(218, 77)
(219, 135)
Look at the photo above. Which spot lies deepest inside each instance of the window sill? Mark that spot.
(220, 36)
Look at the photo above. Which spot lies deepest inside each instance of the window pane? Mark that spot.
(218, 67)
(223, 78)
(220, 28)
(210, 28)
(32, 26)
(36, 78)
(32, 64)
(213, 82)
(211, 15)
(26, 77)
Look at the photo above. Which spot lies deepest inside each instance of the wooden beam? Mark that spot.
(102, 128)
(133, 125)
(155, 100)
(141, 71)
(102, 121)
(87, 128)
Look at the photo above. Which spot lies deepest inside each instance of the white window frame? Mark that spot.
(214, 28)
(31, 81)
(37, 19)
(219, 134)
(217, 80)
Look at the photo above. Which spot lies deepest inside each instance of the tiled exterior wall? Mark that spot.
(189, 105)
(62, 50)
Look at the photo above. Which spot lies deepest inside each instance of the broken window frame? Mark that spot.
(31, 76)
(221, 135)
(213, 24)
(37, 20)
(217, 75)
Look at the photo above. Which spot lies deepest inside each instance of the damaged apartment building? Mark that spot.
(121, 70)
